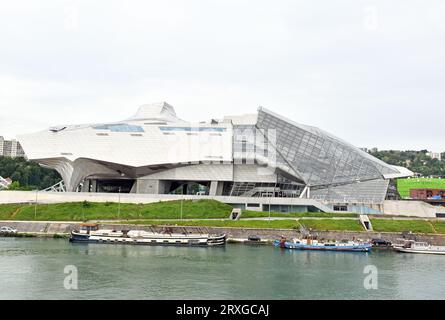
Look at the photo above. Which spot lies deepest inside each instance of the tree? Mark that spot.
(27, 174)
(416, 161)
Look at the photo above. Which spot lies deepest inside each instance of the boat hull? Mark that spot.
(164, 240)
(418, 251)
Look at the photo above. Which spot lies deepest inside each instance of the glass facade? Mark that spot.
(332, 168)
(372, 191)
(264, 189)
(251, 145)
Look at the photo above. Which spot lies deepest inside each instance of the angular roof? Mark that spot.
(156, 111)
(320, 158)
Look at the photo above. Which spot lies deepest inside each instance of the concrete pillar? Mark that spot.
(134, 188)
(93, 186)
(220, 188)
(147, 186)
(164, 186)
(213, 188)
(86, 186)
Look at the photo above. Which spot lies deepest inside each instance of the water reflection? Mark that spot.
(33, 269)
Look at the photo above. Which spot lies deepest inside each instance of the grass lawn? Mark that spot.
(419, 226)
(261, 224)
(405, 185)
(321, 225)
(331, 224)
(379, 225)
(80, 211)
(8, 210)
(256, 214)
(203, 209)
(439, 226)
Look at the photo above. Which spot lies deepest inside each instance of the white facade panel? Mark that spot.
(253, 173)
(147, 144)
(202, 172)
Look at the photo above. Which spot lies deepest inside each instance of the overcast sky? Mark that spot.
(370, 72)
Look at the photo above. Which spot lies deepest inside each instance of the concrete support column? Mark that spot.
(85, 186)
(213, 188)
(147, 186)
(93, 186)
(220, 188)
(306, 193)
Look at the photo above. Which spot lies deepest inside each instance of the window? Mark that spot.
(57, 129)
(193, 129)
(119, 127)
(155, 123)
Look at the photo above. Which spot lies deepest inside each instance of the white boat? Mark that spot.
(90, 233)
(411, 246)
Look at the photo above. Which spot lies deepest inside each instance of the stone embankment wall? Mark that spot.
(50, 228)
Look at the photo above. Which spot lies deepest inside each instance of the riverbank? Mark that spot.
(209, 213)
(176, 209)
(240, 234)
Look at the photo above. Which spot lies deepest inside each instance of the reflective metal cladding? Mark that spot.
(255, 155)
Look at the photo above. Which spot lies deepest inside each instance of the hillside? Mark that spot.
(405, 185)
(416, 161)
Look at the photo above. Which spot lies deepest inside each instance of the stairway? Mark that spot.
(365, 222)
(236, 214)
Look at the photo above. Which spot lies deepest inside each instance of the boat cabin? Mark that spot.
(415, 244)
(88, 227)
(420, 245)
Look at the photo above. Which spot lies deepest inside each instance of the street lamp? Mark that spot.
(182, 202)
(35, 205)
(119, 205)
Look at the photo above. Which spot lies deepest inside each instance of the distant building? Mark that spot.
(5, 183)
(11, 148)
(435, 155)
(423, 194)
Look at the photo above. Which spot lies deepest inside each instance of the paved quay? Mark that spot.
(49, 228)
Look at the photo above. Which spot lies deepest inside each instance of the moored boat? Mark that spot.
(90, 233)
(314, 244)
(411, 246)
(381, 244)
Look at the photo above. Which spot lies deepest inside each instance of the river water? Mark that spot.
(34, 269)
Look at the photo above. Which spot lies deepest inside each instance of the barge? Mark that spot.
(91, 233)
